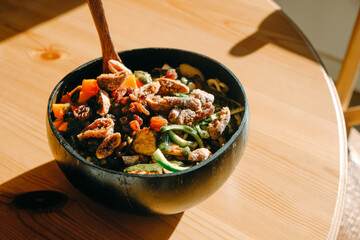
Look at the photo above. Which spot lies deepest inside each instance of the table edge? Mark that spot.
(340, 201)
(341, 193)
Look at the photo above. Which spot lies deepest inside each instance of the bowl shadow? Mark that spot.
(77, 217)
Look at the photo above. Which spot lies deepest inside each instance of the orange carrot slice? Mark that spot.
(58, 109)
(65, 99)
(134, 125)
(77, 88)
(157, 122)
(63, 127)
(130, 81)
(90, 86)
(58, 122)
(84, 96)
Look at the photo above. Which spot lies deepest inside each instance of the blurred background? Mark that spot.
(328, 25)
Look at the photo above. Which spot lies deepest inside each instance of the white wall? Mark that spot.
(328, 25)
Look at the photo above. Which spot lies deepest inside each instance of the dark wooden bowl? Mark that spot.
(154, 194)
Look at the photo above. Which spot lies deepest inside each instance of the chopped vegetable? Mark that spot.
(180, 95)
(179, 152)
(236, 110)
(174, 150)
(144, 142)
(144, 77)
(180, 141)
(89, 86)
(166, 67)
(139, 83)
(157, 122)
(171, 73)
(102, 118)
(75, 96)
(214, 84)
(189, 71)
(187, 129)
(201, 132)
(238, 119)
(164, 142)
(160, 158)
(129, 140)
(63, 127)
(78, 88)
(59, 109)
(212, 117)
(65, 99)
(184, 80)
(134, 125)
(84, 96)
(138, 119)
(57, 123)
(88, 89)
(60, 125)
(191, 86)
(150, 167)
(186, 151)
(130, 81)
(131, 160)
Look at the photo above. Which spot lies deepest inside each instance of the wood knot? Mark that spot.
(50, 55)
(53, 52)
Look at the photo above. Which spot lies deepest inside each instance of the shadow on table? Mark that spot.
(17, 16)
(76, 218)
(275, 29)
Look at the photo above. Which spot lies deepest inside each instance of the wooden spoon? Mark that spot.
(107, 46)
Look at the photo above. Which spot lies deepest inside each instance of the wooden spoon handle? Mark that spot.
(107, 46)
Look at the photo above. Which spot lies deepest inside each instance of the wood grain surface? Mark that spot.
(288, 185)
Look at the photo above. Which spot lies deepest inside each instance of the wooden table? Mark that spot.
(289, 183)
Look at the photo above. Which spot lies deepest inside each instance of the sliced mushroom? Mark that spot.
(189, 71)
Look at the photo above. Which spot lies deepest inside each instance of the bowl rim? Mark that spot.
(72, 151)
